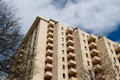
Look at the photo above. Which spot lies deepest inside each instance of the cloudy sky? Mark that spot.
(101, 17)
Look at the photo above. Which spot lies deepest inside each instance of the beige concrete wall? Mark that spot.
(40, 51)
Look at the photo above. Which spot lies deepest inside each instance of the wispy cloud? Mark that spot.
(98, 16)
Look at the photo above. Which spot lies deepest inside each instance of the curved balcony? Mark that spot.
(71, 63)
(48, 74)
(49, 46)
(70, 42)
(49, 52)
(91, 38)
(118, 56)
(50, 34)
(94, 52)
(71, 55)
(48, 67)
(92, 45)
(70, 48)
(69, 36)
(69, 31)
(49, 40)
(22, 50)
(72, 71)
(50, 29)
(96, 60)
(49, 59)
(51, 24)
(97, 68)
(117, 48)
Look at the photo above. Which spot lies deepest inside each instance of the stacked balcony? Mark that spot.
(117, 48)
(48, 75)
(71, 63)
(70, 54)
(97, 68)
(49, 59)
(91, 38)
(92, 45)
(96, 60)
(49, 52)
(94, 52)
(118, 56)
(72, 71)
(48, 67)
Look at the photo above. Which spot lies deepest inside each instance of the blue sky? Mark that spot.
(101, 17)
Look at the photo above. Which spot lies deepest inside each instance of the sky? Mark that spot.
(101, 17)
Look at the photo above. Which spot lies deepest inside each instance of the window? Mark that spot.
(62, 39)
(88, 63)
(62, 45)
(62, 28)
(62, 33)
(84, 41)
(85, 48)
(109, 43)
(63, 66)
(86, 55)
(83, 35)
(111, 51)
(114, 59)
(63, 59)
(63, 75)
(62, 51)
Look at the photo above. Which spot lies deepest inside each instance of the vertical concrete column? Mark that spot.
(39, 64)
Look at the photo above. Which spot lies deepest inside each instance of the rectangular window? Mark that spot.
(63, 59)
(63, 75)
(62, 39)
(86, 55)
(85, 48)
(88, 63)
(84, 41)
(62, 45)
(63, 66)
(62, 51)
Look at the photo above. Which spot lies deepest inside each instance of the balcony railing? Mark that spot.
(72, 71)
(49, 52)
(94, 52)
(96, 60)
(49, 46)
(48, 74)
(70, 48)
(71, 55)
(49, 39)
(69, 36)
(92, 45)
(69, 31)
(117, 48)
(48, 67)
(118, 56)
(70, 42)
(50, 34)
(49, 59)
(71, 63)
(97, 68)
(91, 38)
(50, 29)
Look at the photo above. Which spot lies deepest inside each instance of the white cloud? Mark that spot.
(99, 16)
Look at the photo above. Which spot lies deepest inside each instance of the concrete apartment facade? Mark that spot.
(52, 51)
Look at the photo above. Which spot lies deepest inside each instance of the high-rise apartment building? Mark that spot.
(51, 51)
